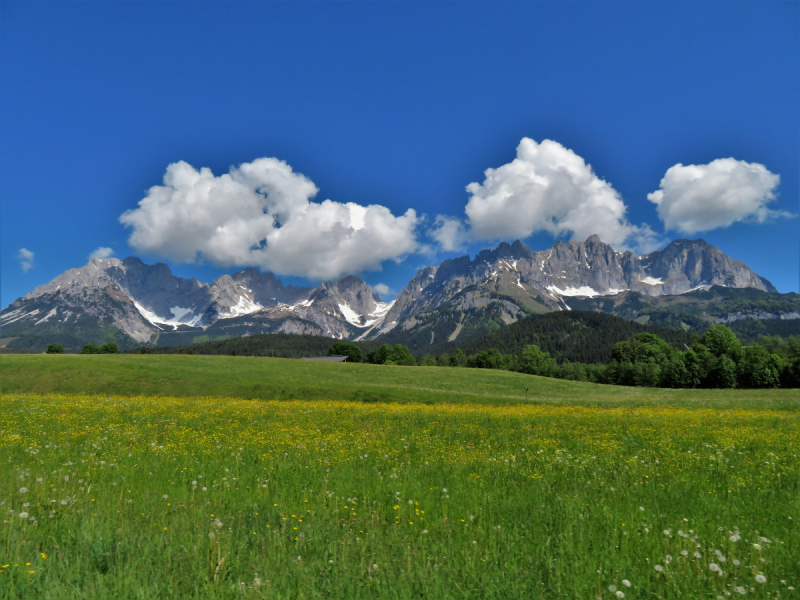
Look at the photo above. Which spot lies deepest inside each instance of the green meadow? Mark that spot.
(225, 477)
(289, 379)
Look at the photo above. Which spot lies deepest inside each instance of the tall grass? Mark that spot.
(222, 498)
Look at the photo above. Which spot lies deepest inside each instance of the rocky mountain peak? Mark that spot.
(147, 301)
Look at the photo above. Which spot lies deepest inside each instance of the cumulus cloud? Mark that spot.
(547, 188)
(25, 258)
(101, 252)
(383, 290)
(696, 198)
(449, 232)
(260, 214)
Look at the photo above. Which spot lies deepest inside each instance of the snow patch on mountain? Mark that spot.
(584, 290)
(244, 306)
(371, 319)
(178, 313)
(652, 280)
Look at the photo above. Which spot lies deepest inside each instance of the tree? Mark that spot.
(427, 361)
(55, 349)
(723, 373)
(90, 349)
(402, 356)
(674, 374)
(643, 347)
(391, 355)
(348, 349)
(458, 358)
(758, 369)
(109, 348)
(488, 359)
(721, 341)
(535, 362)
(698, 362)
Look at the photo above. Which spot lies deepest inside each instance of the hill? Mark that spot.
(282, 379)
(574, 336)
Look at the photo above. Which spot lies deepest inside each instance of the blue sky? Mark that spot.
(393, 106)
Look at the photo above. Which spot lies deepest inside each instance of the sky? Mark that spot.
(316, 140)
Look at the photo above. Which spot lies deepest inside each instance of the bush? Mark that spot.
(90, 349)
(109, 348)
(55, 349)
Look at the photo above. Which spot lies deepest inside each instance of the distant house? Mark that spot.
(329, 358)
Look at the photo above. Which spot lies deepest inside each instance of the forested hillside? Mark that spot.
(279, 345)
(574, 336)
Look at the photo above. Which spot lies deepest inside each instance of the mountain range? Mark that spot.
(133, 303)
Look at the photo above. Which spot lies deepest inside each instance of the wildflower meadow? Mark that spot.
(153, 497)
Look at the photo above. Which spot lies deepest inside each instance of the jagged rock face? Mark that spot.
(693, 263)
(144, 300)
(586, 269)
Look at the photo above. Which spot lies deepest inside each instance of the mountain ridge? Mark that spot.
(150, 305)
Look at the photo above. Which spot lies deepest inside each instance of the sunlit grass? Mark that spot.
(286, 379)
(212, 497)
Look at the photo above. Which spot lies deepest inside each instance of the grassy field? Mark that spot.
(287, 379)
(455, 489)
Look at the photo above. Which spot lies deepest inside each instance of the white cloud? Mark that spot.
(549, 188)
(696, 198)
(449, 232)
(260, 214)
(383, 290)
(101, 252)
(25, 258)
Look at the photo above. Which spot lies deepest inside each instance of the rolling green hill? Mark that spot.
(282, 379)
